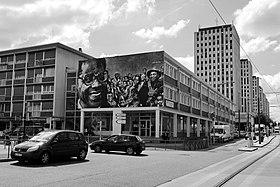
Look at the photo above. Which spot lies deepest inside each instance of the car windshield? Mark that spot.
(111, 138)
(139, 139)
(42, 136)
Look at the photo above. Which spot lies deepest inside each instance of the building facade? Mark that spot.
(256, 83)
(146, 94)
(246, 94)
(33, 85)
(217, 60)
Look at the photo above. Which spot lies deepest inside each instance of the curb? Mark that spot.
(265, 143)
(6, 160)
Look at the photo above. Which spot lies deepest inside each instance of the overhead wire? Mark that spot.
(237, 40)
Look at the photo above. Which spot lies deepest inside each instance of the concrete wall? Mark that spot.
(63, 59)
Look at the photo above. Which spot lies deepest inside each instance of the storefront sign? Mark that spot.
(169, 104)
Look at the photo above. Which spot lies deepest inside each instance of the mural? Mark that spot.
(123, 81)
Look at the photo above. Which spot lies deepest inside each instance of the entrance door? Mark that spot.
(145, 128)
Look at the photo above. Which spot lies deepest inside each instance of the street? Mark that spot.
(153, 167)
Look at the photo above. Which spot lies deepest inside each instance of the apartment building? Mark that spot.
(246, 94)
(217, 60)
(256, 83)
(32, 84)
(183, 107)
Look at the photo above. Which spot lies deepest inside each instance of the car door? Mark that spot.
(59, 145)
(119, 143)
(73, 144)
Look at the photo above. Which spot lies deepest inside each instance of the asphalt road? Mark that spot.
(264, 172)
(152, 168)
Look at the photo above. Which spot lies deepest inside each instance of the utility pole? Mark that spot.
(239, 114)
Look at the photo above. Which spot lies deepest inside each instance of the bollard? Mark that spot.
(8, 151)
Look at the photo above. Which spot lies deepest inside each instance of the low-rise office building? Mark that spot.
(146, 94)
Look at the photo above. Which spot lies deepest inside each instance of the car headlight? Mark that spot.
(34, 148)
(14, 148)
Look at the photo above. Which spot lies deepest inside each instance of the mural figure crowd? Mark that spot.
(98, 89)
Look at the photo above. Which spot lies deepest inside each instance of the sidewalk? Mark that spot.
(215, 174)
(256, 144)
(4, 157)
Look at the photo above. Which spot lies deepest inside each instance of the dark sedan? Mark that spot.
(50, 144)
(124, 142)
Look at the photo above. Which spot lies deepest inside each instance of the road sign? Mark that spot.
(120, 115)
(121, 121)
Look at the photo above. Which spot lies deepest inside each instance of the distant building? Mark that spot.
(33, 84)
(256, 85)
(246, 112)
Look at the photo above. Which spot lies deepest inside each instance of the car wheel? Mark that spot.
(45, 158)
(129, 151)
(138, 152)
(82, 154)
(97, 149)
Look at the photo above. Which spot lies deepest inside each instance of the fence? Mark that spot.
(6, 147)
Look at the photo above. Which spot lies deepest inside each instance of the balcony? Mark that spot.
(3, 67)
(2, 97)
(37, 96)
(3, 82)
(38, 79)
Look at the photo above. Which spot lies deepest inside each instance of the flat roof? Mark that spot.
(42, 47)
(215, 27)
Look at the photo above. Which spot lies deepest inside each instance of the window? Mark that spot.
(47, 105)
(48, 88)
(19, 90)
(20, 57)
(49, 72)
(39, 55)
(50, 54)
(20, 74)
(17, 107)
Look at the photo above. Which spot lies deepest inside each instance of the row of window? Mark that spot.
(19, 90)
(170, 93)
(170, 70)
(214, 30)
(20, 74)
(32, 56)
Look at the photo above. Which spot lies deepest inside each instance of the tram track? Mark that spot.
(232, 175)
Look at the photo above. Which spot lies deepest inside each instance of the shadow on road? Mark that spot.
(119, 153)
(54, 163)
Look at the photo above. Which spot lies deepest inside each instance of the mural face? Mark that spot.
(125, 81)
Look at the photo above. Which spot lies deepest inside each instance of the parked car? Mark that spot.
(50, 144)
(127, 143)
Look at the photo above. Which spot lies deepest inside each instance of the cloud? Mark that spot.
(255, 45)
(259, 18)
(136, 5)
(259, 22)
(158, 32)
(68, 21)
(187, 61)
(277, 48)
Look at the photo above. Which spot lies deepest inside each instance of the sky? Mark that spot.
(113, 27)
